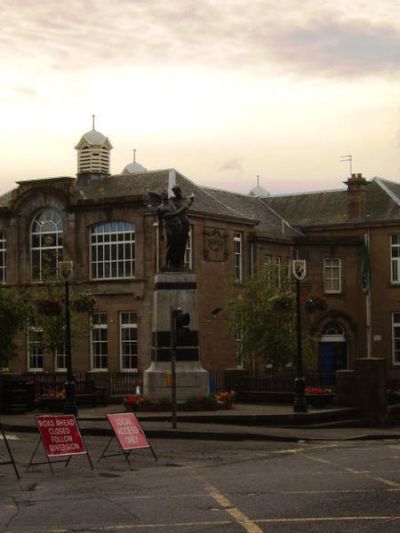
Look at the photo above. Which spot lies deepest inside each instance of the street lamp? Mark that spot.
(70, 401)
(300, 402)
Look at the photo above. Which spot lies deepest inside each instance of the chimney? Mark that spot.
(356, 195)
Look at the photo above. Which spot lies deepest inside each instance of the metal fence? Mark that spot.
(118, 384)
(282, 380)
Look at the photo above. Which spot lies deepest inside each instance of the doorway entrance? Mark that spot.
(332, 351)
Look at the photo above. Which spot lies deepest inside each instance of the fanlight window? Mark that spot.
(113, 250)
(46, 244)
(333, 328)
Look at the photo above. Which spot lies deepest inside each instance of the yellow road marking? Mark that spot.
(248, 524)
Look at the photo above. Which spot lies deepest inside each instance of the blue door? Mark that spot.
(332, 356)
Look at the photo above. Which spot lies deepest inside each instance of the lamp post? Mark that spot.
(300, 403)
(70, 401)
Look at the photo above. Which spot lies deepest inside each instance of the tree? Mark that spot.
(13, 314)
(265, 314)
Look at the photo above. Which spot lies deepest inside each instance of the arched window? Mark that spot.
(2, 257)
(46, 244)
(113, 250)
(333, 328)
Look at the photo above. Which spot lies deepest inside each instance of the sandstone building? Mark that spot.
(104, 224)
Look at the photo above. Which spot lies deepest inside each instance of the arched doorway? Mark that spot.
(332, 350)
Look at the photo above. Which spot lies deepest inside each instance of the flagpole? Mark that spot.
(367, 243)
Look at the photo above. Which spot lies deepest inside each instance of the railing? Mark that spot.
(120, 383)
(282, 380)
(51, 381)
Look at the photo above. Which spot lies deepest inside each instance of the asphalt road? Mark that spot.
(210, 486)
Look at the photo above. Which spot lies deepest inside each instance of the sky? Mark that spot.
(221, 90)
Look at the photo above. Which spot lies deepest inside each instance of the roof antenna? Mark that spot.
(348, 158)
(93, 121)
(134, 155)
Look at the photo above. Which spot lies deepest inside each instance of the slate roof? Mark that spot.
(255, 208)
(273, 215)
(125, 185)
(330, 207)
(5, 199)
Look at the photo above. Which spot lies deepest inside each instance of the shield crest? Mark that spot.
(299, 268)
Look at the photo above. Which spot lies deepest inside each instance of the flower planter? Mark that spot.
(53, 405)
(319, 400)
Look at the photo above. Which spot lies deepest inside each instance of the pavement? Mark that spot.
(262, 422)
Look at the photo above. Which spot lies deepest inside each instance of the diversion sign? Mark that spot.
(61, 439)
(60, 435)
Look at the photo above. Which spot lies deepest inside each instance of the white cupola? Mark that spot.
(93, 153)
(258, 191)
(134, 167)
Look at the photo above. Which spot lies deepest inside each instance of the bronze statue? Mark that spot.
(172, 216)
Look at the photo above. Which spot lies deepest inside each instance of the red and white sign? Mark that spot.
(128, 431)
(60, 435)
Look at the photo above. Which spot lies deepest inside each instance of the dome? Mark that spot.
(259, 192)
(94, 137)
(134, 167)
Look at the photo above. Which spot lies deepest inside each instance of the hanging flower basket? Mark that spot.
(314, 303)
(48, 307)
(84, 303)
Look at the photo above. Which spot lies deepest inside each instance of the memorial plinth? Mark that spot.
(171, 291)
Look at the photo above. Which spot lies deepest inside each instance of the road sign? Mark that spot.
(128, 431)
(60, 437)
(129, 435)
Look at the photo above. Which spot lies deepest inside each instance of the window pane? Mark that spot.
(114, 256)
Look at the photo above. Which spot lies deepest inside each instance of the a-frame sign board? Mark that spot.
(129, 434)
(12, 460)
(61, 439)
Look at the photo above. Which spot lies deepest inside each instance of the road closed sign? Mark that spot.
(60, 435)
(128, 431)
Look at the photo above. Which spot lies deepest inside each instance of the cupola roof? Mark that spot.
(135, 167)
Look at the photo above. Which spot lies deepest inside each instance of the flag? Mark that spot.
(366, 266)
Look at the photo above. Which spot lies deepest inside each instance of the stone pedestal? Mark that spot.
(370, 378)
(173, 290)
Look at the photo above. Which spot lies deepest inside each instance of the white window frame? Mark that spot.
(188, 260)
(274, 260)
(395, 259)
(112, 250)
(60, 356)
(3, 252)
(238, 256)
(130, 345)
(35, 349)
(47, 223)
(396, 338)
(332, 275)
(99, 336)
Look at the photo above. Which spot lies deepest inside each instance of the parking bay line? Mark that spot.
(380, 479)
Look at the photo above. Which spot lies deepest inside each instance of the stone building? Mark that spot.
(103, 223)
